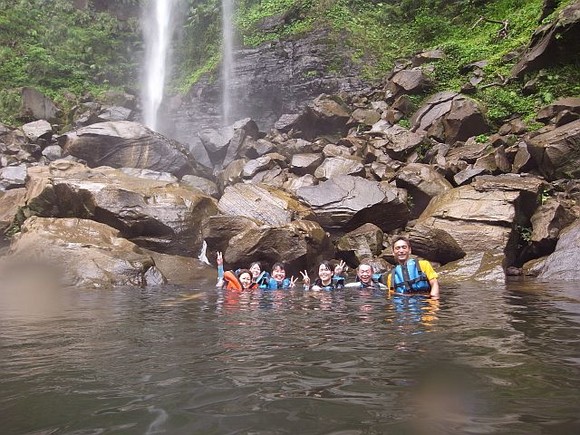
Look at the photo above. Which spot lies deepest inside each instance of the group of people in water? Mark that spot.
(409, 276)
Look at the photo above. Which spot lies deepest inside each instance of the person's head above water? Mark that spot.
(245, 278)
(279, 271)
(365, 272)
(401, 249)
(256, 269)
(325, 272)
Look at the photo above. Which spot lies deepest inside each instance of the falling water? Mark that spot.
(227, 60)
(157, 30)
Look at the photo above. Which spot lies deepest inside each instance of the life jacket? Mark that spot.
(232, 281)
(409, 279)
(334, 285)
(272, 284)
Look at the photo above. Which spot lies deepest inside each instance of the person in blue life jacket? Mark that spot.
(411, 276)
(326, 278)
(278, 279)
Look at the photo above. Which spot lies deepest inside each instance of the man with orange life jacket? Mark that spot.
(411, 276)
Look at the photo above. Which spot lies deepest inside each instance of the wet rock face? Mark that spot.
(552, 42)
(128, 144)
(346, 202)
(160, 215)
(274, 79)
(557, 152)
(78, 252)
(562, 264)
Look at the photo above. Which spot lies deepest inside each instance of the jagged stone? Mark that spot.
(206, 186)
(336, 166)
(264, 204)
(275, 177)
(552, 42)
(557, 152)
(294, 183)
(423, 183)
(10, 201)
(306, 163)
(128, 144)
(480, 217)
(347, 202)
(562, 264)
(158, 215)
(434, 244)
(12, 177)
(299, 243)
(569, 104)
(365, 241)
(484, 266)
(218, 230)
(38, 106)
(77, 252)
(37, 130)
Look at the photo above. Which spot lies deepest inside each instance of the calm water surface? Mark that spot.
(482, 360)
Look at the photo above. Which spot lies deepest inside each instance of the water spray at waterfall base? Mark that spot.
(157, 23)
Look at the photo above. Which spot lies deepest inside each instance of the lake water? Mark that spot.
(482, 360)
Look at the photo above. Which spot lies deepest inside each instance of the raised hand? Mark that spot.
(305, 277)
(293, 281)
(340, 267)
(219, 258)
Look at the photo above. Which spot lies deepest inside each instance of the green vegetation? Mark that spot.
(62, 51)
(66, 53)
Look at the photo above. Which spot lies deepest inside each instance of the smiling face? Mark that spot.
(245, 279)
(325, 274)
(278, 273)
(401, 251)
(255, 269)
(365, 273)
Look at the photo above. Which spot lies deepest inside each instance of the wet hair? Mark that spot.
(240, 272)
(279, 265)
(366, 263)
(398, 239)
(255, 263)
(326, 264)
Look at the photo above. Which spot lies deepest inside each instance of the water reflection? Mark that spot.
(198, 360)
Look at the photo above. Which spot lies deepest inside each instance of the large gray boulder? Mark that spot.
(10, 201)
(346, 202)
(77, 252)
(423, 183)
(262, 203)
(38, 106)
(156, 214)
(300, 243)
(557, 152)
(487, 214)
(562, 264)
(129, 144)
(450, 117)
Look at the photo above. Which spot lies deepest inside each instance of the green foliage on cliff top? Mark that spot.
(61, 50)
(66, 52)
(376, 33)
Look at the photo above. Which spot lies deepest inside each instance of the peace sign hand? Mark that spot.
(340, 267)
(293, 281)
(219, 258)
(305, 277)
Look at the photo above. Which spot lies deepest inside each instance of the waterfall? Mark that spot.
(227, 61)
(157, 32)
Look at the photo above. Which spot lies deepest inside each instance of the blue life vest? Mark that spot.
(272, 284)
(409, 279)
